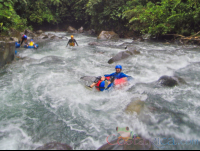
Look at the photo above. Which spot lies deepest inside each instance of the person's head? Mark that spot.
(72, 36)
(118, 68)
(31, 40)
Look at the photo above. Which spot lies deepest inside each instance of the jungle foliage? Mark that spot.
(156, 17)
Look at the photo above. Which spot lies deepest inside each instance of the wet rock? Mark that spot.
(7, 52)
(14, 33)
(91, 32)
(108, 35)
(171, 81)
(135, 106)
(55, 146)
(123, 55)
(30, 34)
(39, 32)
(71, 29)
(94, 44)
(14, 39)
(131, 144)
(80, 30)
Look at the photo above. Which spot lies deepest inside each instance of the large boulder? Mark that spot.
(71, 29)
(14, 33)
(7, 52)
(80, 30)
(91, 32)
(39, 32)
(30, 34)
(108, 35)
(55, 146)
(14, 39)
(170, 81)
(124, 54)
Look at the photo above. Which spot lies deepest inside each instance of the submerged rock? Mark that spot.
(54, 146)
(123, 55)
(171, 81)
(94, 44)
(108, 35)
(135, 106)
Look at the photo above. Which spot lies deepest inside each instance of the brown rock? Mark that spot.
(108, 35)
(71, 29)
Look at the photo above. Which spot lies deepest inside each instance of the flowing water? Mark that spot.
(43, 99)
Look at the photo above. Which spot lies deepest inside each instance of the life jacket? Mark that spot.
(100, 85)
(72, 44)
(31, 43)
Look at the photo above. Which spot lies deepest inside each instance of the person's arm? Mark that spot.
(75, 42)
(108, 75)
(68, 43)
(122, 75)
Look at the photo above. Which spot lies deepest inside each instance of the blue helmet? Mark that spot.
(25, 36)
(31, 39)
(118, 67)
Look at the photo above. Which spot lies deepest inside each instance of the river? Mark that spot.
(43, 99)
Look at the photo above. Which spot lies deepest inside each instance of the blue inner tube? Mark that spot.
(31, 46)
(102, 84)
(17, 45)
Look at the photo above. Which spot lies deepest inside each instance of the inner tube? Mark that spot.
(17, 45)
(31, 46)
(101, 84)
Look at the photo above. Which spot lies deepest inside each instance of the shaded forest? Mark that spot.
(155, 17)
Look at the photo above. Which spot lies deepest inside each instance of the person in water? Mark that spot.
(116, 75)
(72, 41)
(32, 44)
(23, 39)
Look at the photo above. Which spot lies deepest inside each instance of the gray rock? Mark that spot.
(171, 81)
(14, 39)
(123, 55)
(80, 30)
(71, 29)
(39, 32)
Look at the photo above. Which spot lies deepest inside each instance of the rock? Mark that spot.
(7, 52)
(135, 106)
(91, 32)
(14, 39)
(29, 33)
(131, 144)
(39, 32)
(80, 30)
(171, 81)
(108, 35)
(71, 29)
(94, 44)
(55, 146)
(45, 37)
(14, 33)
(123, 55)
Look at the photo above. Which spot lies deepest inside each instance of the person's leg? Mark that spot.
(95, 81)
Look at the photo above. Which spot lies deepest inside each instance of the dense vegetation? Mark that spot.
(156, 17)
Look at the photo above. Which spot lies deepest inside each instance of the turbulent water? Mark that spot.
(43, 99)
